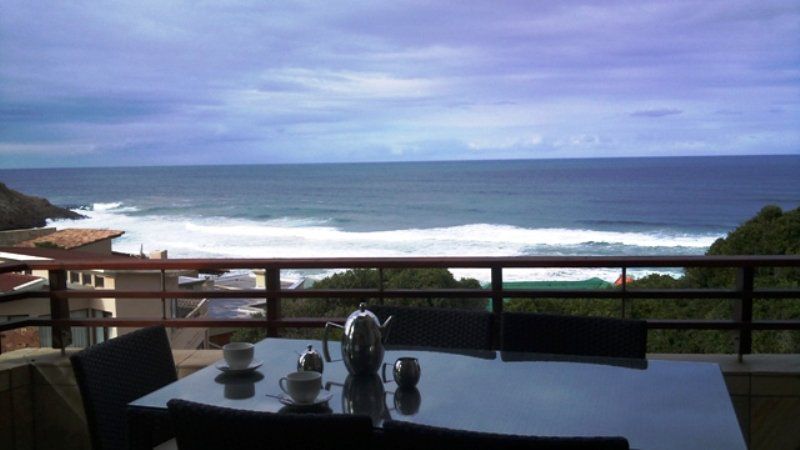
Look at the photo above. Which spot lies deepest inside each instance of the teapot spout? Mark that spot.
(385, 328)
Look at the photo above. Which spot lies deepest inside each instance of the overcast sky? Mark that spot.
(142, 83)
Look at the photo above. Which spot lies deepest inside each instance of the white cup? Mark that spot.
(303, 387)
(238, 355)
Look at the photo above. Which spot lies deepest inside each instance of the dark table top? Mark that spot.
(654, 404)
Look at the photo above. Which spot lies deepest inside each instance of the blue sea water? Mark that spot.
(619, 206)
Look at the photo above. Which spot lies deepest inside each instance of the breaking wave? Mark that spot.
(287, 237)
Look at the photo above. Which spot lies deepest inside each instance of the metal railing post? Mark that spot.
(273, 285)
(380, 285)
(624, 292)
(497, 304)
(59, 309)
(163, 300)
(743, 310)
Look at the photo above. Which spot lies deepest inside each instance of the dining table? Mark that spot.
(655, 404)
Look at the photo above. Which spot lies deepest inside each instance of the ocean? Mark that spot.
(621, 206)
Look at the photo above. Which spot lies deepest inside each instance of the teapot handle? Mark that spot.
(325, 351)
(383, 372)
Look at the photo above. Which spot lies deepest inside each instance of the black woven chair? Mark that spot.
(573, 335)
(111, 375)
(206, 427)
(437, 327)
(404, 435)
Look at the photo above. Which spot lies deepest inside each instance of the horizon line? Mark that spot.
(144, 166)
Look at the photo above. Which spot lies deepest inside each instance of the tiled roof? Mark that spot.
(70, 238)
(10, 281)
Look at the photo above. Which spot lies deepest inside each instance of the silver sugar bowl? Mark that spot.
(310, 360)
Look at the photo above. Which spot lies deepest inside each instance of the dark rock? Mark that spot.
(18, 210)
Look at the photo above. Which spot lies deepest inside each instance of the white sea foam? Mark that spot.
(105, 206)
(296, 238)
(113, 206)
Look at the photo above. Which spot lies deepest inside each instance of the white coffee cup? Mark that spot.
(302, 387)
(238, 355)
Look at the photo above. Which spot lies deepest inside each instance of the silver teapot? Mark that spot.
(362, 341)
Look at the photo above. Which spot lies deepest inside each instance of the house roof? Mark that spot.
(591, 283)
(70, 238)
(44, 253)
(628, 280)
(33, 253)
(14, 281)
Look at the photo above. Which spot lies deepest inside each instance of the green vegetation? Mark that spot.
(250, 334)
(771, 232)
(393, 279)
(369, 279)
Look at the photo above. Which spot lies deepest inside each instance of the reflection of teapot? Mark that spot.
(238, 387)
(364, 395)
(362, 341)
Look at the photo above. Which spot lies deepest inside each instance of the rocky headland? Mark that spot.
(18, 210)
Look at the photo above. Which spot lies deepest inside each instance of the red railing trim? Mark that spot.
(486, 262)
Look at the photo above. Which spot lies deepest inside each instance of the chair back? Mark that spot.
(112, 374)
(574, 335)
(206, 427)
(437, 327)
(404, 435)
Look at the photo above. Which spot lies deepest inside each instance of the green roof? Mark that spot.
(591, 283)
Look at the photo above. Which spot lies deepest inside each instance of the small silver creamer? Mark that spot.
(309, 361)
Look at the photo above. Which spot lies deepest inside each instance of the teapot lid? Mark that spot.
(362, 311)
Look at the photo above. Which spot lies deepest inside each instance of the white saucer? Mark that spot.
(225, 368)
(323, 397)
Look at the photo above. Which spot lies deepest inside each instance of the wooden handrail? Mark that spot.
(417, 293)
(511, 262)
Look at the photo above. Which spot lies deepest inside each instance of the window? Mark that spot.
(81, 336)
(99, 281)
(74, 277)
(87, 279)
(100, 333)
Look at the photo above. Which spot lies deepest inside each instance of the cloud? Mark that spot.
(506, 143)
(255, 82)
(351, 84)
(658, 112)
(46, 149)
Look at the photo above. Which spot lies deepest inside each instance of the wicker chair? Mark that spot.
(572, 335)
(437, 327)
(206, 427)
(111, 375)
(404, 435)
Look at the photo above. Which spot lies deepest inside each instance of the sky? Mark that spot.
(162, 83)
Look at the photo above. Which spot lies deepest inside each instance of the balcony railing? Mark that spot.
(742, 294)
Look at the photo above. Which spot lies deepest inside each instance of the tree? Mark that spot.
(250, 334)
(369, 279)
(393, 279)
(770, 232)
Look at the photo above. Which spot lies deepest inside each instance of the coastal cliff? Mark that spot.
(18, 210)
